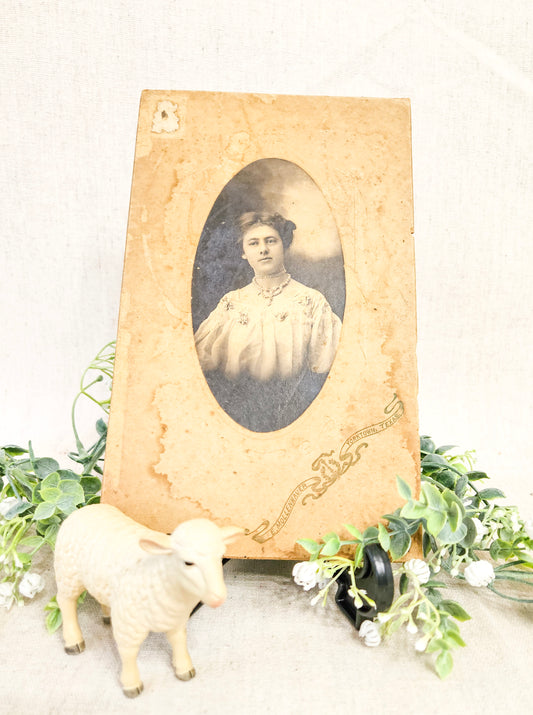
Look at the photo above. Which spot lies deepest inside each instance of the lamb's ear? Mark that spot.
(158, 545)
(231, 533)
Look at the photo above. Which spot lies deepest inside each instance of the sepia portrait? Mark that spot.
(265, 332)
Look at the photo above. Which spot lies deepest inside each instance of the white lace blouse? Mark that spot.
(278, 338)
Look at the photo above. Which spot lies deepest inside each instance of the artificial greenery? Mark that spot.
(37, 495)
(460, 526)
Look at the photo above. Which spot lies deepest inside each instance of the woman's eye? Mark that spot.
(189, 563)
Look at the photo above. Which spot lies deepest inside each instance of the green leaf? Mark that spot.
(454, 516)
(18, 509)
(471, 533)
(444, 664)
(370, 534)
(491, 494)
(413, 510)
(353, 531)
(32, 542)
(426, 543)
(331, 547)
(445, 448)
(399, 544)
(330, 535)
(68, 474)
(54, 619)
(91, 485)
(383, 537)
(446, 477)
(71, 495)
(475, 476)
(404, 583)
(309, 545)
(50, 494)
(447, 536)
(435, 522)
(496, 549)
(434, 461)
(101, 427)
(51, 533)
(455, 610)
(427, 446)
(403, 488)
(51, 480)
(434, 584)
(44, 511)
(433, 497)
(461, 486)
(45, 466)
(13, 450)
(452, 635)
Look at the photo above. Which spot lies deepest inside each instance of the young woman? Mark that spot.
(261, 346)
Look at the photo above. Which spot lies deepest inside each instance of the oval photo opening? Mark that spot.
(268, 295)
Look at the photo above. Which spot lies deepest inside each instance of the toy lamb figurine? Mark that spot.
(144, 580)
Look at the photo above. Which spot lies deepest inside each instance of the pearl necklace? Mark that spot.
(270, 293)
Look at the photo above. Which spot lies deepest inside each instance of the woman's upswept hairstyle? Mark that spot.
(283, 226)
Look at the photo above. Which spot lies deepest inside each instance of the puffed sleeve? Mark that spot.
(325, 335)
(210, 338)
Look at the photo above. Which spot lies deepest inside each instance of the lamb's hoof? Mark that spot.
(189, 675)
(75, 649)
(106, 620)
(133, 692)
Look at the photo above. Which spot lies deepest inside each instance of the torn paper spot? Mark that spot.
(165, 119)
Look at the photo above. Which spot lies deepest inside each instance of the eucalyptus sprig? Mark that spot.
(462, 530)
(36, 495)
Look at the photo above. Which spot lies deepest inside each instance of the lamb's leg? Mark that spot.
(128, 649)
(106, 614)
(72, 635)
(181, 660)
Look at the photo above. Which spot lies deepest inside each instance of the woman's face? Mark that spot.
(263, 249)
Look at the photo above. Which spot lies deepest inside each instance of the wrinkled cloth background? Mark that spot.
(70, 81)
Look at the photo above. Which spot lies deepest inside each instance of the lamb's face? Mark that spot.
(196, 548)
(199, 545)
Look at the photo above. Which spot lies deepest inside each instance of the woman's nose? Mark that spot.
(264, 248)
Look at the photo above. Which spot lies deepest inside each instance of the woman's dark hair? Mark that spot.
(283, 226)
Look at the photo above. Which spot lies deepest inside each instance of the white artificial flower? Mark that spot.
(515, 522)
(6, 594)
(411, 627)
(31, 584)
(384, 617)
(316, 598)
(306, 574)
(528, 528)
(421, 644)
(479, 573)
(6, 505)
(454, 571)
(418, 568)
(369, 632)
(481, 529)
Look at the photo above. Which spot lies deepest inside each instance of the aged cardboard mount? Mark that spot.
(287, 410)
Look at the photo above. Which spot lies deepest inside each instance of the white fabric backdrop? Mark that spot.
(71, 77)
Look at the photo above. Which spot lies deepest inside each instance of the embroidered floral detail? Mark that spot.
(228, 305)
(243, 318)
(281, 316)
